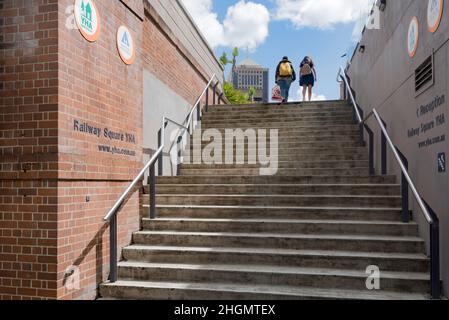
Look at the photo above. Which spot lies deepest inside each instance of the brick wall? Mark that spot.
(166, 60)
(28, 148)
(56, 184)
(97, 88)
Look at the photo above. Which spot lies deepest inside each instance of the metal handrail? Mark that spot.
(342, 74)
(158, 152)
(111, 216)
(407, 182)
(404, 169)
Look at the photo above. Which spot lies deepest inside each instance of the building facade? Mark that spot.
(83, 93)
(249, 74)
(403, 72)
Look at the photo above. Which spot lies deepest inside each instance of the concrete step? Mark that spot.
(284, 165)
(277, 113)
(279, 172)
(197, 156)
(334, 105)
(278, 212)
(290, 119)
(293, 131)
(146, 290)
(282, 146)
(323, 125)
(284, 226)
(278, 200)
(242, 179)
(288, 189)
(282, 241)
(303, 138)
(271, 276)
(278, 257)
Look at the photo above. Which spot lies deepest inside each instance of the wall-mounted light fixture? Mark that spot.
(362, 49)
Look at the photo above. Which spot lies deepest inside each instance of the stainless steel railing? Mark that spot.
(111, 216)
(407, 183)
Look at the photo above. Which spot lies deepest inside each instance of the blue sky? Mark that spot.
(283, 27)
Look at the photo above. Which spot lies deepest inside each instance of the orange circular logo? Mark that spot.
(413, 37)
(125, 45)
(435, 10)
(87, 19)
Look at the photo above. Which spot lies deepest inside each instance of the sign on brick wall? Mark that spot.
(87, 19)
(125, 45)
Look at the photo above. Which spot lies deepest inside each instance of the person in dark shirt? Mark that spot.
(308, 77)
(285, 76)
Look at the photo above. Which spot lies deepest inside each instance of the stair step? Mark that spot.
(288, 189)
(278, 212)
(242, 179)
(281, 125)
(291, 120)
(277, 172)
(285, 226)
(282, 165)
(272, 276)
(273, 240)
(278, 200)
(278, 257)
(279, 113)
(282, 146)
(147, 290)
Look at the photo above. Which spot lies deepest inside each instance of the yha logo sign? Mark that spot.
(87, 19)
(125, 45)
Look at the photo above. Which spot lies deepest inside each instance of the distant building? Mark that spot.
(250, 74)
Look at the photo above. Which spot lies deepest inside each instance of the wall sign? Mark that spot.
(87, 19)
(434, 14)
(442, 162)
(413, 37)
(125, 45)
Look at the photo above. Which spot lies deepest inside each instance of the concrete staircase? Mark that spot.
(309, 232)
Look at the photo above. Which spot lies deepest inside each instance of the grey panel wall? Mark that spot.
(160, 100)
(383, 78)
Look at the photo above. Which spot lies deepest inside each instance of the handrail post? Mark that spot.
(179, 156)
(152, 183)
(220, 98)
(207, 100)
(404, 190)
(383, 151)
(113, 249)
(160, 160)
(215, 94)
(198, 113)
(372, 170)
(435, 281)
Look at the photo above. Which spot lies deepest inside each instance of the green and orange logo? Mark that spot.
(87, 19)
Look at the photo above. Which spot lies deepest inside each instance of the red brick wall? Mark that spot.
(28, 148)
(168, 63)
(96, 87)
(55, 184)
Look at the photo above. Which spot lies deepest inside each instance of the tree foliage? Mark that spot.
(235, 96)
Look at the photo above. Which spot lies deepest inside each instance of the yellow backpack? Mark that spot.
(285, 69)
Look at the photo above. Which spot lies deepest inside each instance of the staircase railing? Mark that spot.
(111, 216)
(406, 183)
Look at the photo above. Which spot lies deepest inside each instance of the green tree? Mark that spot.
(234, 96)
(224, 59)
(235, 54)
(251, 93)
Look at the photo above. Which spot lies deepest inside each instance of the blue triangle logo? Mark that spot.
(125, 39)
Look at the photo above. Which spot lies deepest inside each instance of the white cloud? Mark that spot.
(321, 14)
(245, 25)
